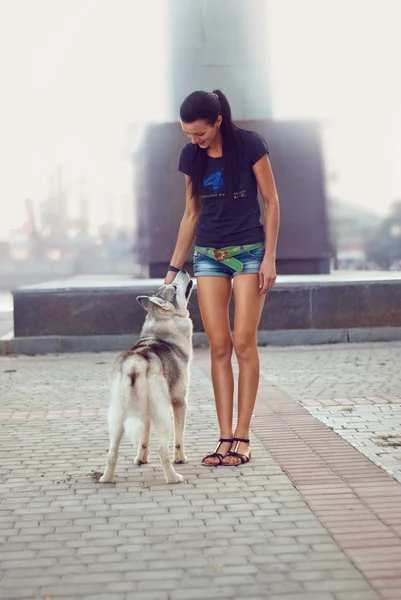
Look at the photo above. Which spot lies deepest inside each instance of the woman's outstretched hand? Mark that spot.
(171, 275)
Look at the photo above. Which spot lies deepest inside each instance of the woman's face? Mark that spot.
(201, 132)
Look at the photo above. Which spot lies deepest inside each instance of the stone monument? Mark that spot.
(223, 44)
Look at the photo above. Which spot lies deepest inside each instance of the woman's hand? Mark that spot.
(267, 275)
(171, 275)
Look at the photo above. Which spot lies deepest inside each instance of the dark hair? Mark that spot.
(208, 106)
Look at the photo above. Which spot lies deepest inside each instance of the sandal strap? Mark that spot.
(243, 458)
(216, 453)
(221, 441)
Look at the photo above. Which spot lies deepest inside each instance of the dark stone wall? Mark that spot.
(108, 311)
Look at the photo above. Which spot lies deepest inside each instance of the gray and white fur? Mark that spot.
(151, 380)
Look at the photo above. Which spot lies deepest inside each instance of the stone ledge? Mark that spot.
(301, 304)
(116, 343)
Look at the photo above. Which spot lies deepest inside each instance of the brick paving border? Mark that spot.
(354, 499)
(32, 415)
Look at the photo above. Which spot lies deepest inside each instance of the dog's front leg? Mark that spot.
(179, 412)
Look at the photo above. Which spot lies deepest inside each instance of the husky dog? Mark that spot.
(152, 378)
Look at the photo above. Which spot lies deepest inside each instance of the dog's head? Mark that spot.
(172, 298)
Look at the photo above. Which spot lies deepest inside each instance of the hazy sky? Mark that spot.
(75, 72)
(339, 61)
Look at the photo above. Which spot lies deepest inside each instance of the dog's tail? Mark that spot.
(133, 391)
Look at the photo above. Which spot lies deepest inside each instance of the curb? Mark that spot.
(117, 343)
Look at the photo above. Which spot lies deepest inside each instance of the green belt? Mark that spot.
(226, 255)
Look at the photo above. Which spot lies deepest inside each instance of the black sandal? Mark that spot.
(243, 457)
(216, 453)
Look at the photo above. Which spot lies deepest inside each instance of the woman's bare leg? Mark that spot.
(214, 295)
(248, 310)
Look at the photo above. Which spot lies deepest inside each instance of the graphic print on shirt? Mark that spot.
(215, 181)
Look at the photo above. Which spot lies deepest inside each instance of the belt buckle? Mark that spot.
(218, 254)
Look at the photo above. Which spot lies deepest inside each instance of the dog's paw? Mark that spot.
(180, 459)
(176, 478)
(141, 460)
(107, 478)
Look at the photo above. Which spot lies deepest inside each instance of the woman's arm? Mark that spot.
(187, 230)
(265, 180)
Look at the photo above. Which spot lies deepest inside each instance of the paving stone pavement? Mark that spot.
(332, 374)
(283, 527)
(355, 389)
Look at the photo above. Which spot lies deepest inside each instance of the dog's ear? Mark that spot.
(160, 302)
(145, 301)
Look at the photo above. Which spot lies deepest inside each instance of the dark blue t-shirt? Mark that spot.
(228, 220)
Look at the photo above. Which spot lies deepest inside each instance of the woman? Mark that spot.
(224, 166)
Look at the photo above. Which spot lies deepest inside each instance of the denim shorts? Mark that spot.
(204, 265)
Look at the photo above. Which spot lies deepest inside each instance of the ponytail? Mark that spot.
(225, 109)
(229, 133)
(208, 106)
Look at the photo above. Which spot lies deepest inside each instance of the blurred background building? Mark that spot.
(83, 79)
